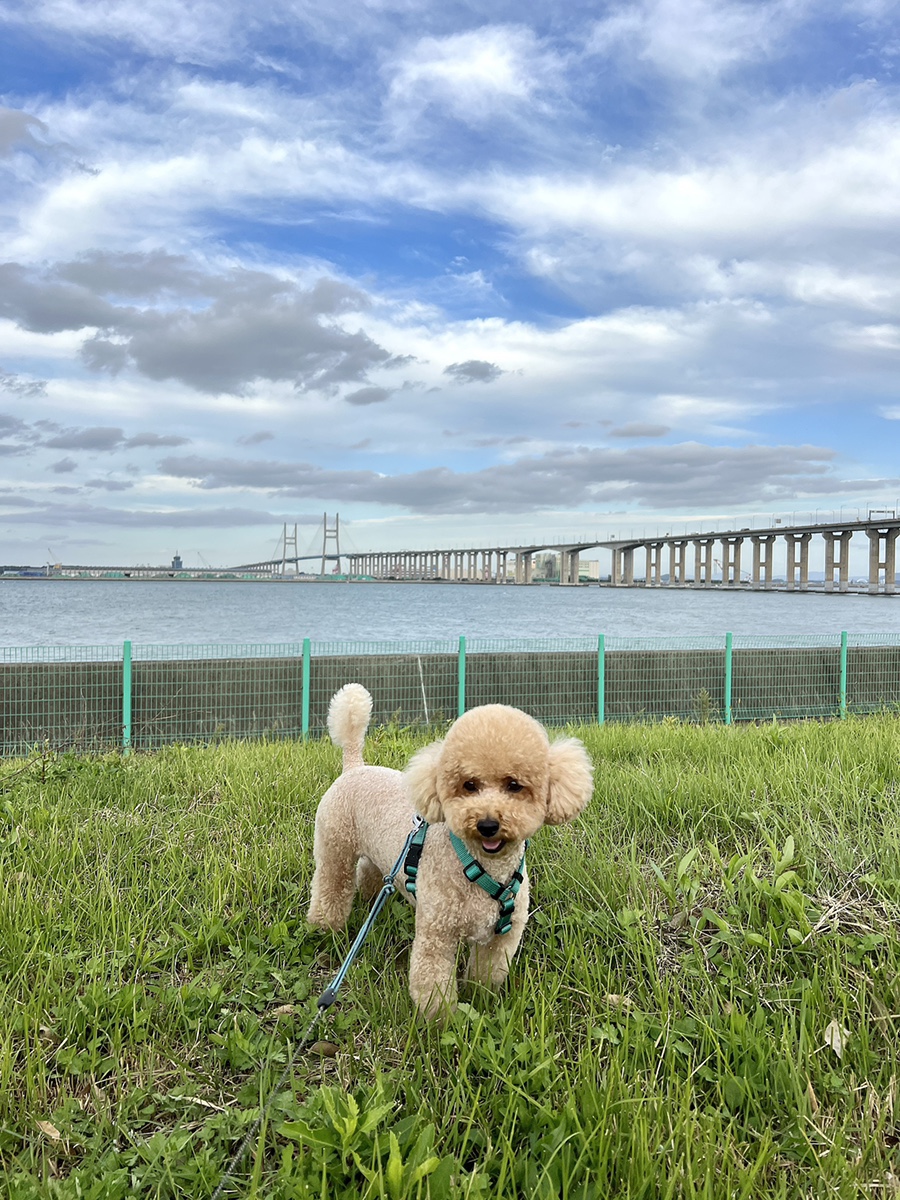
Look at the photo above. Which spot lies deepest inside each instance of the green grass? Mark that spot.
(706, 1003)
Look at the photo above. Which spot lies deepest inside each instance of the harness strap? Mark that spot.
(414, 848)
(504, 893)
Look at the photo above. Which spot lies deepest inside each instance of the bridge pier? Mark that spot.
(763, 553)
(703, 561)
(731, 560)
(568, 566)
(653, 570)
(882, 556)
(843, 564)
(797, 562)
(678, 563)
(622, 574)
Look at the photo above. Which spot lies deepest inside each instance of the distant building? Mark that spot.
(177, 564)
(546, 566)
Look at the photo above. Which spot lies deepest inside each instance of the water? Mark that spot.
(63, 613)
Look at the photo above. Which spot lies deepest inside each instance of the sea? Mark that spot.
(35, 612)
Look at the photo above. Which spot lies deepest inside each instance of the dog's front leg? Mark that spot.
(489, 961)
(432, 972)
(489, 964)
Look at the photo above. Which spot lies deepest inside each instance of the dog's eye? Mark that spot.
(471, 785)
(513, 785)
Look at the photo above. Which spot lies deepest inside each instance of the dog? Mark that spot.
(487, 787)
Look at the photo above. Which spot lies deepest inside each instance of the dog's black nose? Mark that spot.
(487, 826)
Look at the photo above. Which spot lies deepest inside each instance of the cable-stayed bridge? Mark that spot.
(782, 556)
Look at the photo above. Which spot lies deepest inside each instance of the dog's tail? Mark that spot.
(348, 719)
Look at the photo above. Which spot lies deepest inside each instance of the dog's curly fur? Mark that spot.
(494, 780)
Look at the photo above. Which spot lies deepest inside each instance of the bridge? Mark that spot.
(698, 559)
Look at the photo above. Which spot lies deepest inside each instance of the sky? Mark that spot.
(459, 272)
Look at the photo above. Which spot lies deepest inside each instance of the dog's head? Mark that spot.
(497, 778)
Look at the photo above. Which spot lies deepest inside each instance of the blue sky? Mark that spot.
(460, 272)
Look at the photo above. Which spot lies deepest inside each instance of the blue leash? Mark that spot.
(329, 996)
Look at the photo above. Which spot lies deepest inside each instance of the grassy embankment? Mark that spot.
(706, 1003)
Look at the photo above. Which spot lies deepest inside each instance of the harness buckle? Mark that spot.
(474, 871)
(415, 845)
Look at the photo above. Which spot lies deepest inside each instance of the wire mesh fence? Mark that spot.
(215, 692)
(554, 681)
(91, 698)
(413, 683)
(68, 697)
(873, 673)
(651, 678)
(795, 681)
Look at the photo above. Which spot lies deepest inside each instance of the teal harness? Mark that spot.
(504, 894)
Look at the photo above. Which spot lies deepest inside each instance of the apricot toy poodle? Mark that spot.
(484, 790)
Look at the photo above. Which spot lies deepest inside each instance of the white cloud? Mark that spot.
(176, 147)
(865, 338)
(695, 39)
(738, 202)
(476, 76)
(706, 221)
(196, 32)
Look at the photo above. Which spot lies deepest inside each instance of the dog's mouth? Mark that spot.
(492, 845)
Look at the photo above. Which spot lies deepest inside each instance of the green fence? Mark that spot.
(145, 696)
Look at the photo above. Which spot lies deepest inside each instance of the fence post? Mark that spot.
(126, 697)
(728, 678)
(304, 711)
(461, 677)
(601, 679)
(843, 683)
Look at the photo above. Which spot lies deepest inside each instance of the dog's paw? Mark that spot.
(435, 1004)
(321, 920)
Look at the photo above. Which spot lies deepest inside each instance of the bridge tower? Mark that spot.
(331, 533)
(289, 542)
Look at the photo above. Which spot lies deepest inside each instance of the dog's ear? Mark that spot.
(421, 780)
(571, 780)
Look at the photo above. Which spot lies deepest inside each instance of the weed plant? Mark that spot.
(705, 1005)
